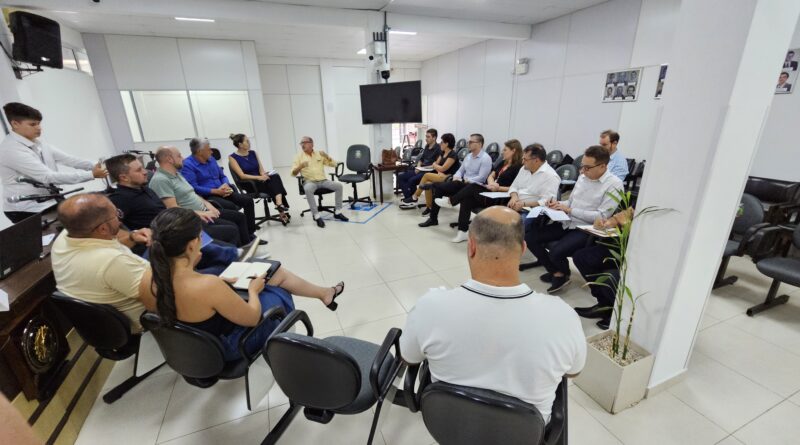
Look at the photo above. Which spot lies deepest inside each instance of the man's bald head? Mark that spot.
(82, 214)
(163, 152)
(499, 229)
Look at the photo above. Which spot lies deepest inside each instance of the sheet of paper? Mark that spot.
(47, 239)
(425, 169)
(601, 233)
(496, 195)
(555, 215)
(3, 301)
(272, 172)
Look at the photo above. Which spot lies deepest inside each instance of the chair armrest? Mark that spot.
(558, 418)
(413, 397)
(392, 339)
(748, 236)
(290, 320)
(245, 184)
(763, 242)
(338, 172)
(275, 312)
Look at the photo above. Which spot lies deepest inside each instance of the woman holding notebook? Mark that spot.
(245, 163)
(173, 289)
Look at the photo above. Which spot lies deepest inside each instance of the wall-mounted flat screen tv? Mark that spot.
(390, 103)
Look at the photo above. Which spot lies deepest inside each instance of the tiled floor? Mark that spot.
(743, 383)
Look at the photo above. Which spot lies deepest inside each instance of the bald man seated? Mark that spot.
(494, 332)
(92, 259)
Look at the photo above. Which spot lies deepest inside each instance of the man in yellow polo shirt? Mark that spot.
(311, 165)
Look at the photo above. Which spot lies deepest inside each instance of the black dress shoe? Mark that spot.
(263, 242)
(547, 277)
(558, 284)
(426, 212)
(320, 223)
(595, 311)
(429, 222)
(527, 266)
(341, 217)
(603, 323)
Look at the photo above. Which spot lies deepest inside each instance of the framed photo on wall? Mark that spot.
(662, 74)
(622, 86)
(788, 76)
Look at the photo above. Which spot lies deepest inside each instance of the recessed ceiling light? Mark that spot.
(65, 12)
(190, 19)
(362, 51)
(405, 33)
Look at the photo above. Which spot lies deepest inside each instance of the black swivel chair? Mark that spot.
(249, 188)
(782, 269)
(320, 192)
(108, 331)
(577, 161)
(744, 237)
(555, 157)
(358, 161)
(462, 153)
(493, 150)
(335, 375)
(461, 143)
(780, 199)
(198, 356)
(569, 175)
(462, 415)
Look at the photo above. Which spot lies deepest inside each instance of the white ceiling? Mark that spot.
(340, 42)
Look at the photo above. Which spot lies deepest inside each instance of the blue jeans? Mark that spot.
(407, 181)
(216, 257)
(270, 296)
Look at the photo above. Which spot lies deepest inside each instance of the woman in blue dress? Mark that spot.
(245, 163)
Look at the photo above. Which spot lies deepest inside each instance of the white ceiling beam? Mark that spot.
(263, 13)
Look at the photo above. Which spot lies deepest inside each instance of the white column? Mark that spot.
(724, 67)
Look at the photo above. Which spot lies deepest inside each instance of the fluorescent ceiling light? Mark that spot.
(362, 51)
(65, 12)
(190, 19)
(405, 33)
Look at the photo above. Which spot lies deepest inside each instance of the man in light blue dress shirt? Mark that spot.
(618, 165)
(475, 168)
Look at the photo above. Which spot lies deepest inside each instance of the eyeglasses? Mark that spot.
(119, 216)
(474, 142)
(305, 142)
(524, 159)
(586, 168)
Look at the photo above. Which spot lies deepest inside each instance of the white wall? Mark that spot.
(558, 102)
(73, 117)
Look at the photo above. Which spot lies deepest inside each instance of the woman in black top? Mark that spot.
(499, 180)
(445, 165)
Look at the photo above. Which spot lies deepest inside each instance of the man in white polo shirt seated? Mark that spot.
(494, 332)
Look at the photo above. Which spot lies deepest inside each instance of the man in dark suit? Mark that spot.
(783, 85)
(790, 64)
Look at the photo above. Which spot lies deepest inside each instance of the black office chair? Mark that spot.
(569, 175)
(781, 199)
(782, 269)
(577, 162)
(249, 188)
(745, 228)
(320, 192)
(418, 144)
(108, 331)
(493, 150)
(634, 182)
(358, 161)
(462, 153)
(462, 415)
(461, 143)
(198, 356)
(335, 375)
(554, 158)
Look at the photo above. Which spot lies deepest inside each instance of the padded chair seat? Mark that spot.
(353, 177)
(364, 353)
(786, 270)
(234, 369)
(730, 248)
(122, 353)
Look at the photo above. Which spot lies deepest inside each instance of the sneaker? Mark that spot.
(547, 277)
(603, 323)
(558, 284)
(593, 312)
(443, 203)
(408, 205)
(320, 223)
(426, 212)
(409, 200)
(429, 222)
(341, 217)
(460, 237)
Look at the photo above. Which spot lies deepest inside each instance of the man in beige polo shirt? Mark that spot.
(91, 260)
(311, 164)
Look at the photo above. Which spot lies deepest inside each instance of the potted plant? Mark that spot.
(617, 369)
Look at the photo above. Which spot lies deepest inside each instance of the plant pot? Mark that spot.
(612, 386)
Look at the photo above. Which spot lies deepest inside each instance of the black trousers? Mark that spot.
(470, 198)
(16, 217)
(273, 187)
(225, 231)
(229, 212)
(441, 189)
(240, 201)
(590, 262)
(568, 242)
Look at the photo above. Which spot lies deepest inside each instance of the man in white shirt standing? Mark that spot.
(532, 340)
(590, 199)
(617, 165)
(25, 155)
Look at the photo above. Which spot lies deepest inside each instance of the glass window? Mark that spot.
(68, 55)
(217, 114)
(130, 113)
(163, 115)
(83, 62)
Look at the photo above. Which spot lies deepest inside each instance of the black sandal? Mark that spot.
(333, 304)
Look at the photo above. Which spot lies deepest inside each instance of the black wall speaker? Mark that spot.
(37, 40)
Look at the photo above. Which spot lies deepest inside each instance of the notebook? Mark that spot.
(244, 272)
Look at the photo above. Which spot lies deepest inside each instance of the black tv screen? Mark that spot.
(390, 103)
